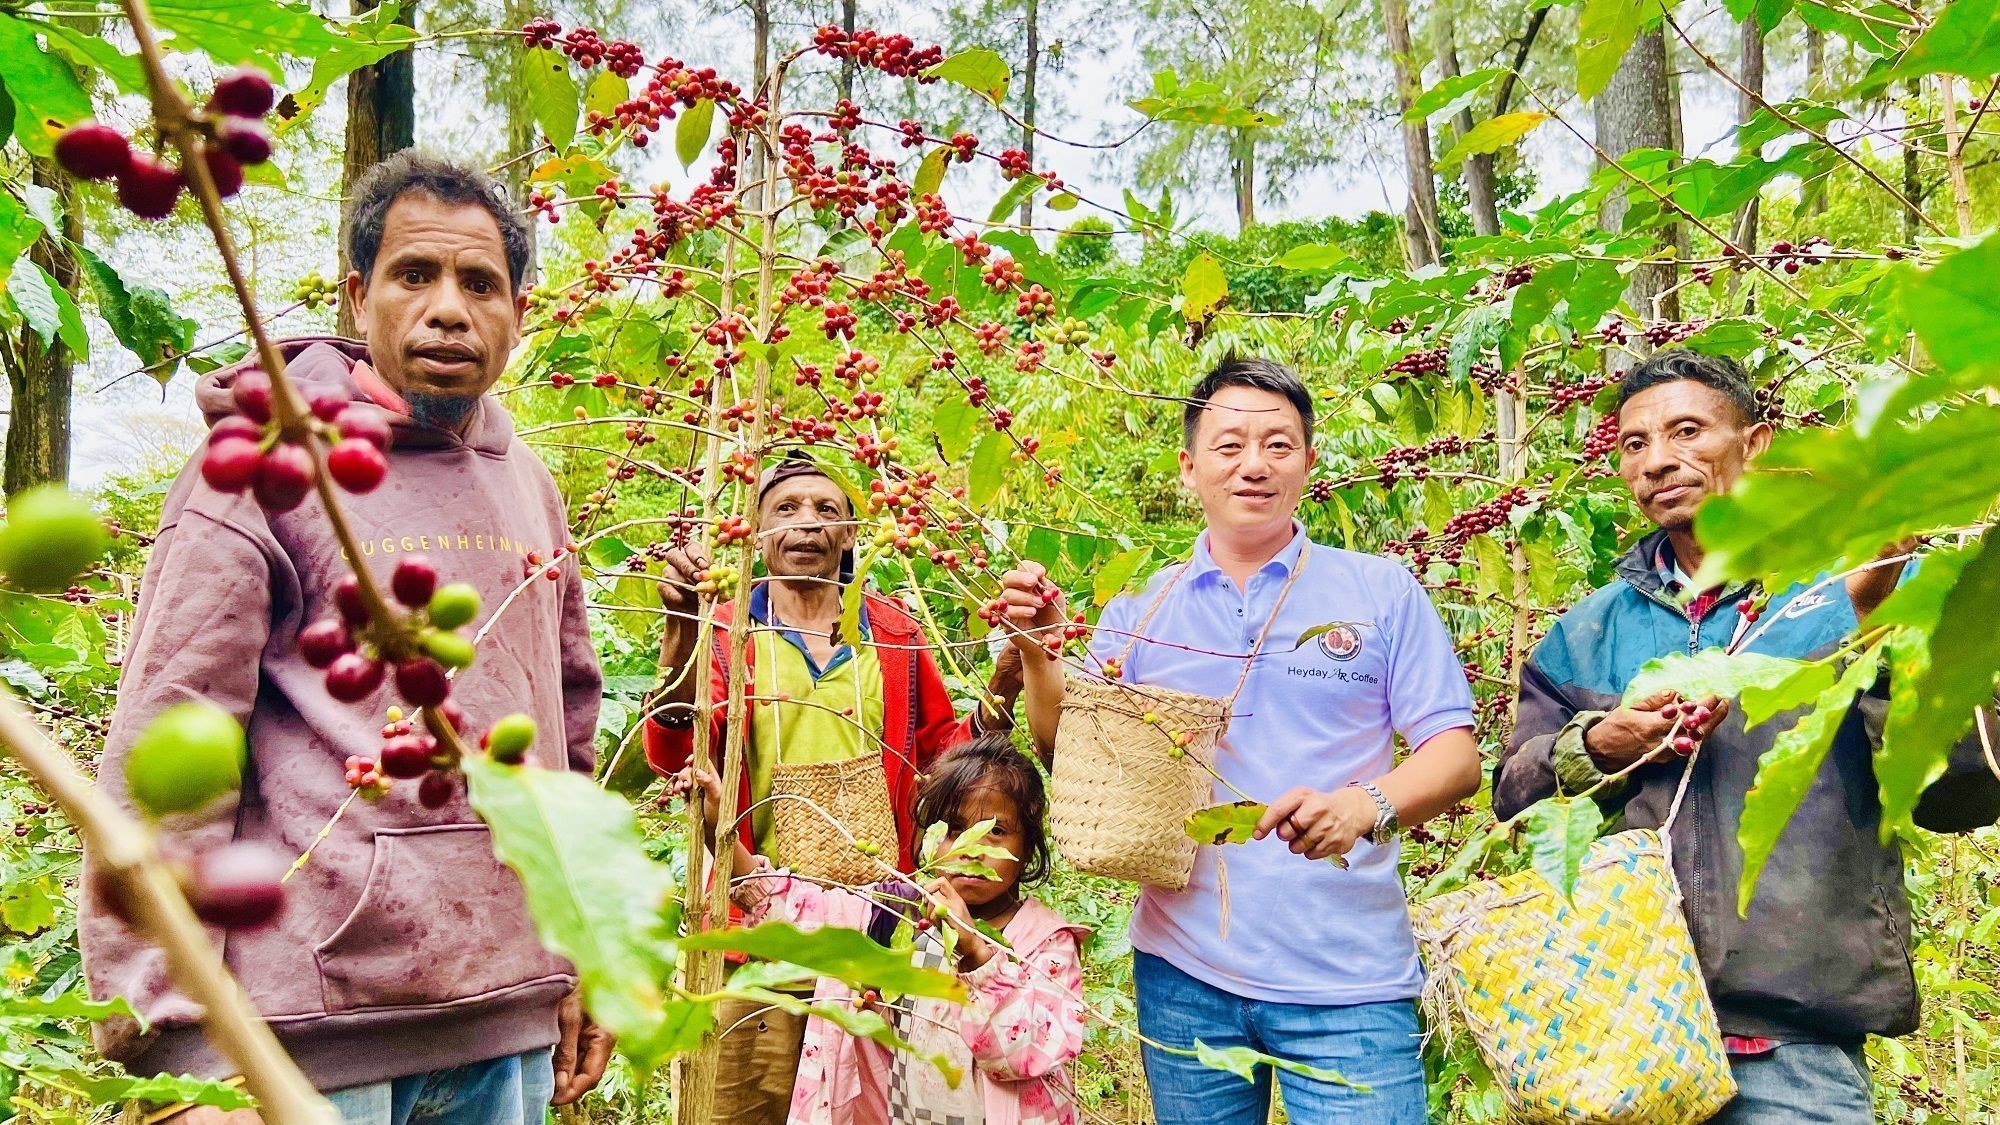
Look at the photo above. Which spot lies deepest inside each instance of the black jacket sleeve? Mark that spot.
(1527, 772)
(1967, 795)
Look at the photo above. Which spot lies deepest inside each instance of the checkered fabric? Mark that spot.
(918, 1094)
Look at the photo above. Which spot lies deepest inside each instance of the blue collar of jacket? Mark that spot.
(760, 612)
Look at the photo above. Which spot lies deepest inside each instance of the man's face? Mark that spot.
(1249, 460)
(438, 310)
(1681, 442)
(804, 527)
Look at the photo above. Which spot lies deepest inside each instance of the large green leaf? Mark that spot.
(1964, 40)
(243, 31)
(1452, 94)
(1231, 823)
(1011, 199)
(1558, 833)
(930, 172)
(140, 316)
(18, 229)
(691, 134)
(32, 292)
(1786, 771)
(1709, 672)
(1203, 287)
(1200, 103)
(989, 468)
(1830, 498)
(72, 1005)
(111, 1088)
(47, 96)
(1114, 576)
(1244, 1061)
(979, 69)
(847, 955)
(1312, 256)
(1955, 309)
(1605, 31)
(595, 896)
(1492, 135)
(1940, 671)
(553, 98)
(957, 424)
(363, 42)
(96, 53)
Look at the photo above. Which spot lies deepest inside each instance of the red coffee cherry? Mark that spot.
(231, 464)
(353, 677)
(407, 757)
(284, 477)
(239, 886)
(324, 641)
(90, 151)
(435, 790)
(242, 93)
(251, 394)
(347, 599)
(357, 466)
(244, 140)
(362, 423)
(414, 581)
(422, 681)
(149, 187)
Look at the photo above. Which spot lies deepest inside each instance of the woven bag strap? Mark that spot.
(1680, 794)
(1139, 630)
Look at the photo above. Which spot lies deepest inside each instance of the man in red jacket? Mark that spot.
(823, 697)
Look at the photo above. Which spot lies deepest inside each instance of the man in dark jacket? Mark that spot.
(404, 969)
(1822, 959)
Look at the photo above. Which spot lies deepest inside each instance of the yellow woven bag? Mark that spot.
(1590, 1011)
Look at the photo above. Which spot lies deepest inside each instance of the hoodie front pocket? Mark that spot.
(439, 920)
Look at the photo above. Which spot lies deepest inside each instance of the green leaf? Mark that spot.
(858, 1022)
(1114, 576)
(1452, 94)
(160, 1088)
(1492, 135)
(1010, 200)
(97, 53)
(1768, 12)
(1200, 103)
(140, 317)
(1955, 308)
(364, 42)
(1203, 288)
(18, 228)
(1938, 675)
(1964, 40)
(846, 955)
(979, 69)
(989, 468)
(47, 96)
(1558, 832)
(1826, 499)
(957, 423)
(1063, 201)
(1786, 771)
(691, 135)
(930, 172)
(1312, 256)
(595, 896)
(1763, 701)
(32, 293)
(1605, 32)
(605, 93)
(72, 1005)
(1244, 1061)
(1710, 672)
(240, 31)
(1231, 823)
(553, 97)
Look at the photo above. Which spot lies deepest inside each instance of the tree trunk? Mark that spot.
(381, 121)
(845, 83)
(760, 71)
(1913, 182)
(1752, 78)
(1033, 18)
(1636, 111)
(38, 423)
(1420, 211)
(1815, 81)
(1479, 193)
(1243, 171)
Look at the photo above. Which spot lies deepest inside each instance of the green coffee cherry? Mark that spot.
(191, 754)
(50, 538)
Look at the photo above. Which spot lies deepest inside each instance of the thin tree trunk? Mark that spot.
(1033, 16)
(381, 121)
(760, 72)
(1243, 171)
(1420, 210)
(1913, 183)
(1815, 82)
(1636, 111)
(1752, 79)
(1478, 176)
(38, 422)
(845, 83)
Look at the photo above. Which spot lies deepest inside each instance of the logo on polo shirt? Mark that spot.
(1342, 642)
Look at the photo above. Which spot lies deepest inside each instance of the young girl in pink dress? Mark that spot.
(1023, 1022)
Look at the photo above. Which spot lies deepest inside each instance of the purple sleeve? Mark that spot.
(582, 682)
(1428, 694)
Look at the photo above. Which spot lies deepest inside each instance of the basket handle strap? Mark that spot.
(1146, 619)
(1305, 556)
(1680, 794)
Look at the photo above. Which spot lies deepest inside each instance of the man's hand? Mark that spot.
(1869, 588)
(1647, 728)
(1034, 607)
(678, 577)
(582, 1050)
(1319, 824)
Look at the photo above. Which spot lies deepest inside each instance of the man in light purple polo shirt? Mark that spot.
(1317, 965)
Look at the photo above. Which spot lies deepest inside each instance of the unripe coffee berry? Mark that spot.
(189, 755)
(510, 738)
(448, 649)
(454, 604)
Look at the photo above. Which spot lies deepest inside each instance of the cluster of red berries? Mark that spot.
(1603, 438)
(245, 450)
(1583, 390)
(1415, 459)
(1486, 517)
(1423, 361)
(894, 55)
(1658, 334)
(355, 666)
(1692, 716)
(149, 186)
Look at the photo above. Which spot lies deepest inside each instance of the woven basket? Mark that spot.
(1120, 793)
(1588, 1011)
(855, 792)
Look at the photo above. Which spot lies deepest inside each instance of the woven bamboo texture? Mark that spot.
(854, 792)
(1121, 788)
(1591, 1011)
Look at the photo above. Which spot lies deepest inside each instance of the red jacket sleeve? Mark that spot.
(670, 749)
(938, 726)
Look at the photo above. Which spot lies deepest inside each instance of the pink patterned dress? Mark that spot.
(1014, 1037)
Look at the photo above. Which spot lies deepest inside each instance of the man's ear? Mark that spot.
(357, 292)
(1756, 440)
(1187, 470)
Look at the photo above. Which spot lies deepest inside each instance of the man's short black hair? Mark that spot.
(1674, 364)
(448, 182)
(1239, 371)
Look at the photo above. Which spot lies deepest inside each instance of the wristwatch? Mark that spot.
(1385, 814)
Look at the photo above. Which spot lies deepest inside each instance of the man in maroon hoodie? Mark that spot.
(403, 975)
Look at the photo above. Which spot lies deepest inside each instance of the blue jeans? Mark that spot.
(1800, 1084)
(1373, 1045)
(511, 1090)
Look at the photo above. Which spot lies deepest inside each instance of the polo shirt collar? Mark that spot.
(1282, 563)
(760, 612)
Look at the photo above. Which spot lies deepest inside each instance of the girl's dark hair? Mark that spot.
(990, 759)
